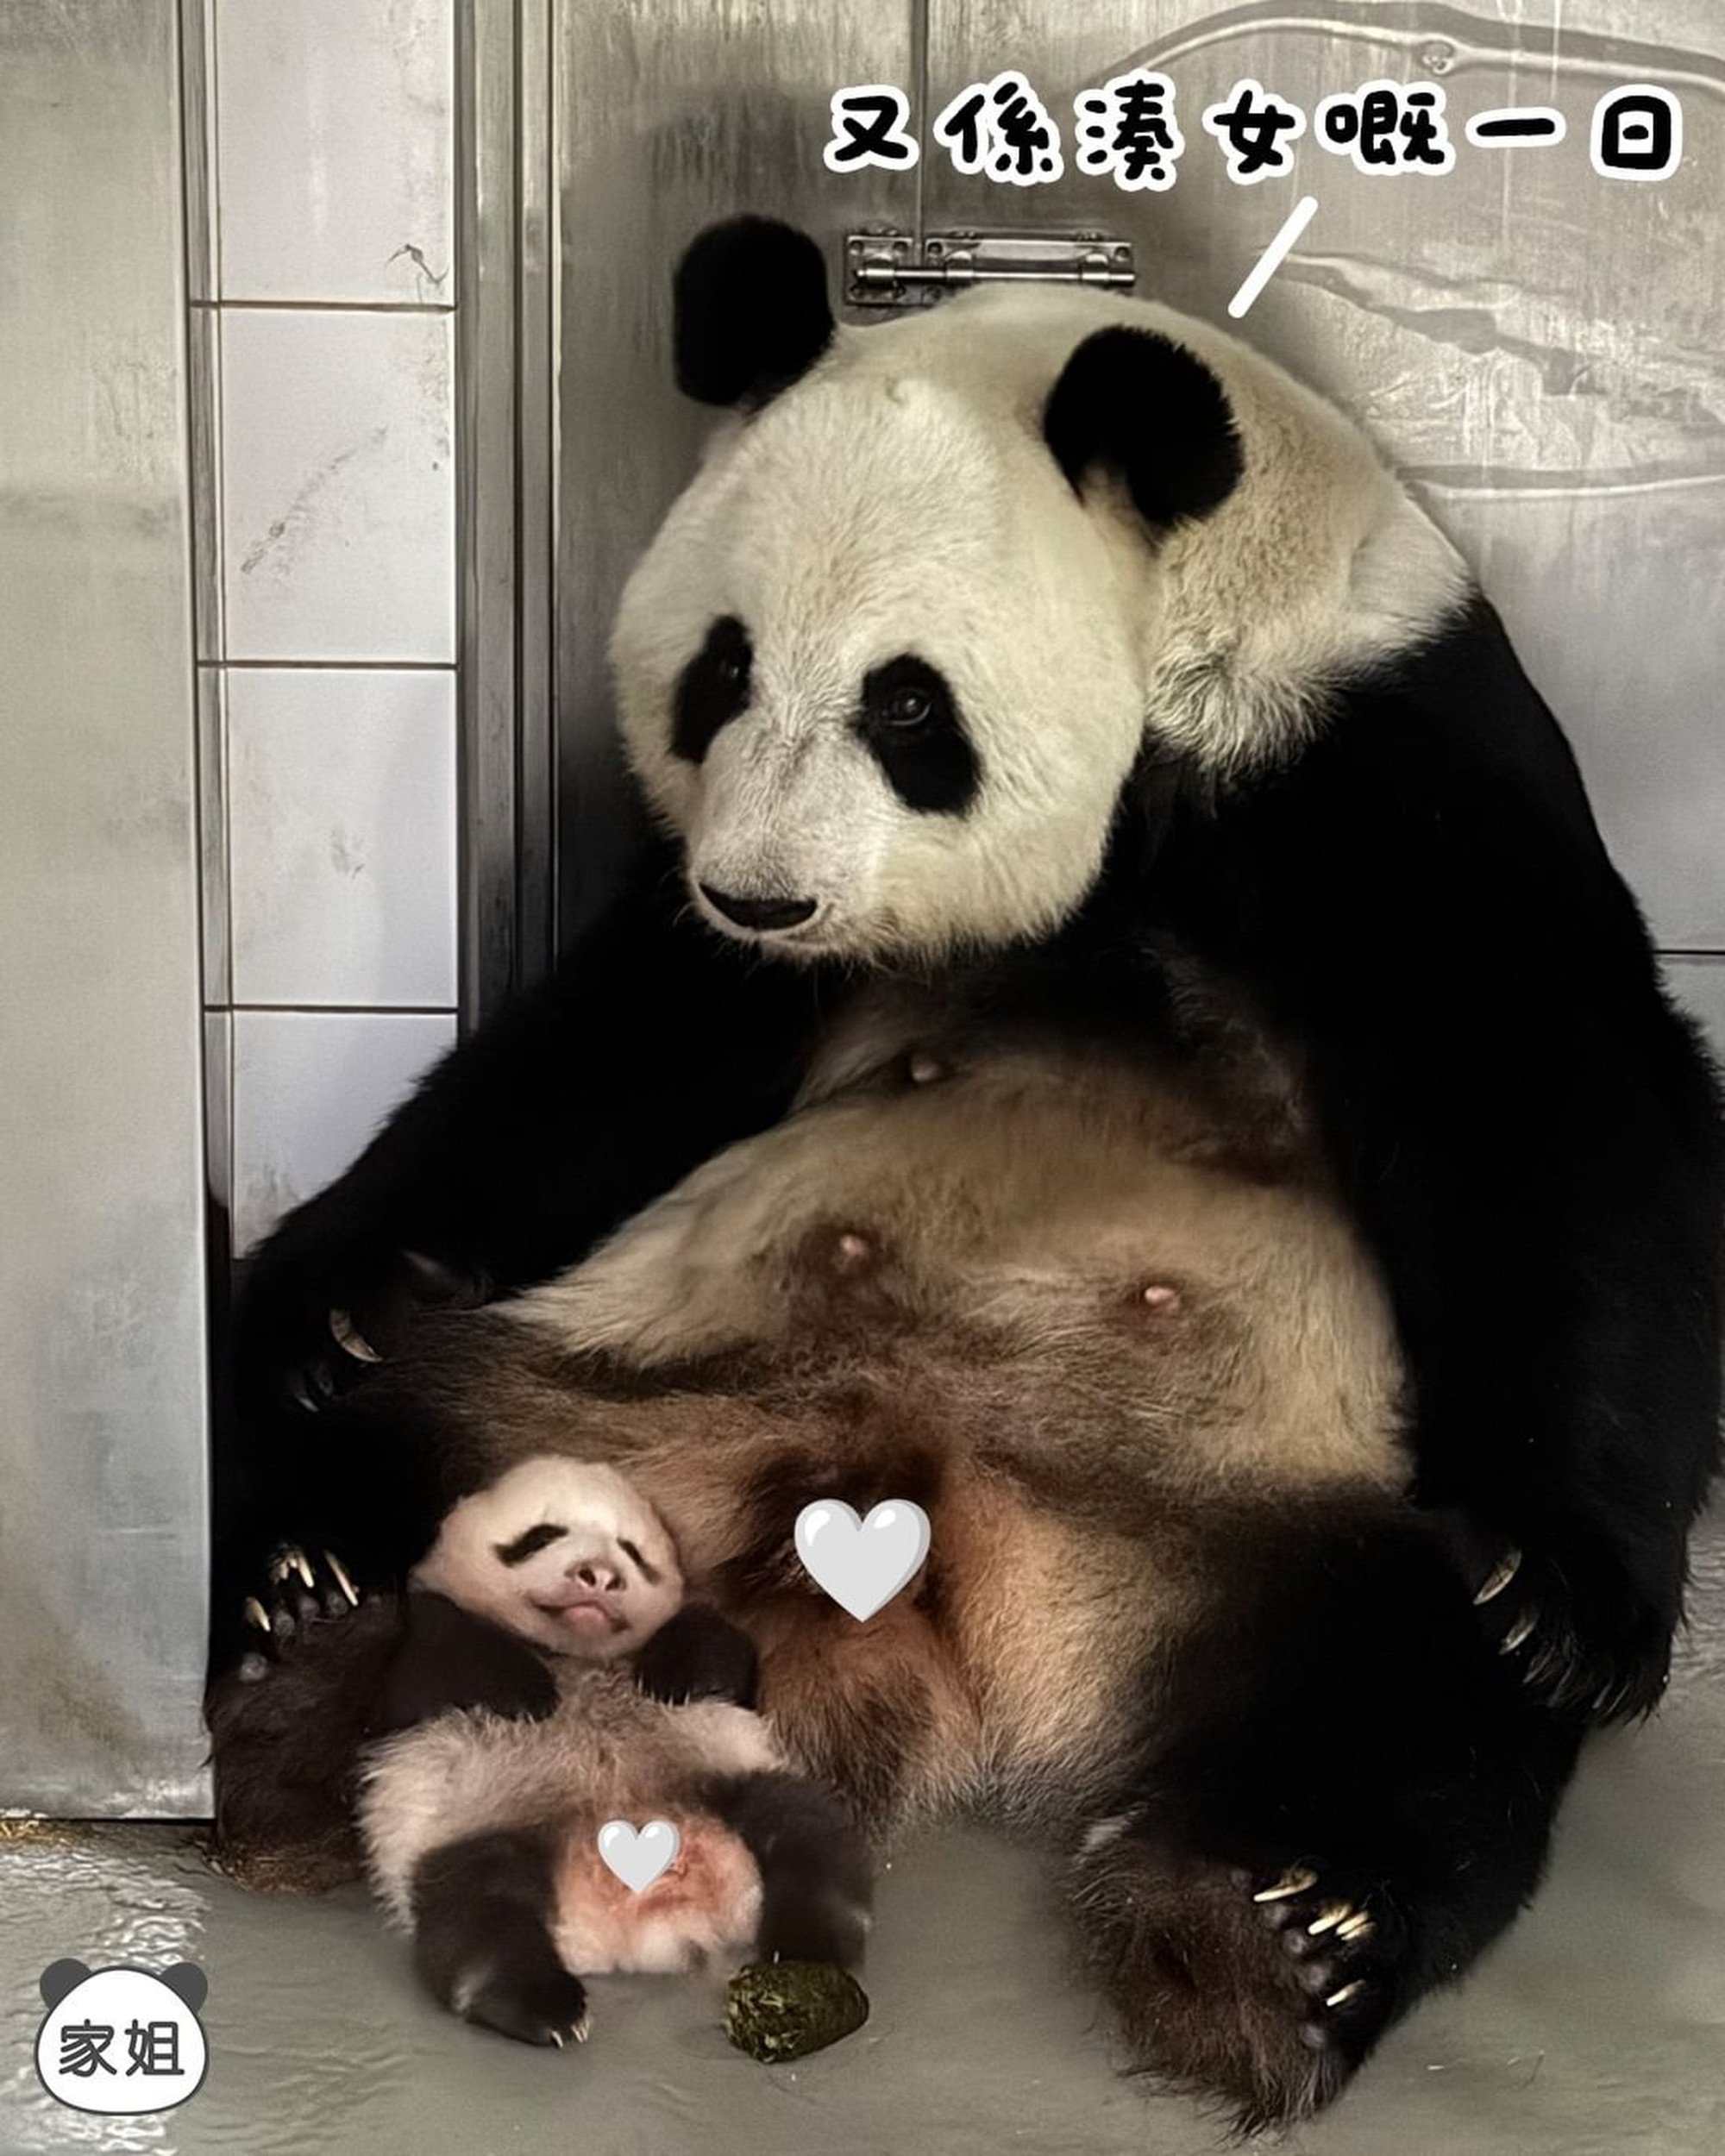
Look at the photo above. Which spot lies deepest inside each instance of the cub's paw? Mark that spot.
(1265, 1992)
(300, 1591)
(697, 1654)
(532, 1999)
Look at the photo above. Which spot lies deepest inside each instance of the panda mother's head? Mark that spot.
(889, 661)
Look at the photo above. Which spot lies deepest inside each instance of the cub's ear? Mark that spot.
(1140, 406)
(749, 311)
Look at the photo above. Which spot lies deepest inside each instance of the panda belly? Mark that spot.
(1080, 1316)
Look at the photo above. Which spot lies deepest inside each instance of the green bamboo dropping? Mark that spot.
(776, 2010)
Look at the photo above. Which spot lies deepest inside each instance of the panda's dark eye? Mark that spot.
(907, 706)
(911, 722)
(714, 688)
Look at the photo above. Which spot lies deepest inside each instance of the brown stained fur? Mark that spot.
(935, 1291)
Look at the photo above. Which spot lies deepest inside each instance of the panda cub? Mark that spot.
(550, 1678)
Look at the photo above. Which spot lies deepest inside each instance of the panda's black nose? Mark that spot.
(762, 913)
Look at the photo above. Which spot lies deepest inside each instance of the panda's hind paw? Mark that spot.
(1335, 1942)
(534, 2002)
(1263, 1989)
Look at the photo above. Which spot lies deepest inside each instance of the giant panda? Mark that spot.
(551, 1678)
(1058, 660)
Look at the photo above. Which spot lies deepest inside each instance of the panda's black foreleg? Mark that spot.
(482, 1942)
(449, 1660)
(816, 1882)
(1346, 1794)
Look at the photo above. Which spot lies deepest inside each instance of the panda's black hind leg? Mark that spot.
(1347, 1795)
(482, 1939)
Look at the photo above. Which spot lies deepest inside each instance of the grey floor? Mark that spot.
(1598, 2025)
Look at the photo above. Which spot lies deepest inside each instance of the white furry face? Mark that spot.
(882, 550)
(896, 524)
(563, 1553)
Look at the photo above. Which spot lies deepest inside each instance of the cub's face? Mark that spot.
(563, 1553)
(874, 671)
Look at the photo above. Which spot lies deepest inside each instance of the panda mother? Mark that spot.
(1050, 673)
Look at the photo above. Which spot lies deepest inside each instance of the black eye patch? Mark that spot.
(650, 1573)
(529, 1543)
(910, 721)
(714, 686)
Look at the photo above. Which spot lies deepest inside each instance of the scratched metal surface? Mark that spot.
(1594, 2029)
(102, 1495)
(1540, 349)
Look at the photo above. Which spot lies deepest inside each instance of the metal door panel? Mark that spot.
(1540, 348)
(102, 1351)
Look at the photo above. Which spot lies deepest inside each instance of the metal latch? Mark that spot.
(887, 269)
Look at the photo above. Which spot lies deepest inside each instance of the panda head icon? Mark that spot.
(122, 2040)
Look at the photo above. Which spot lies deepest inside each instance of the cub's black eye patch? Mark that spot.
(530, 1542)
(714, 686)
(910, 720)
(648, 1572)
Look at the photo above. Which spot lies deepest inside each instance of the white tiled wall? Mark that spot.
(341, 836)
(338, 523)
(335, 149)
(310, 1087)
(322, 326)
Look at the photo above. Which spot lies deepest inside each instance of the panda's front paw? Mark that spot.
(1582, 1637)
(324, 1303)
(301, 1590)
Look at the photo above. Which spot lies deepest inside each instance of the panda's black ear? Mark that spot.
(59, 1979)
(188, 1983)
(749, 311)
(1140, 406)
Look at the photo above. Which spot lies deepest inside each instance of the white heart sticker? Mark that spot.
(638, 1855)
(862, 1563)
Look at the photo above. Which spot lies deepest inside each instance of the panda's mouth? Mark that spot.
(590, 1616)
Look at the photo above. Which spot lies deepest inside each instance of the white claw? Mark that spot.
(291, 1560)
(1348, 1991)
(556, 2039)
(256, 1613)
(1499, 1577)
(1295, 1881)
(1359, 1925)
(580, 2029)
(1328, 1919)
(348, 1337)
(1518, 1632)
(342, 1581)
